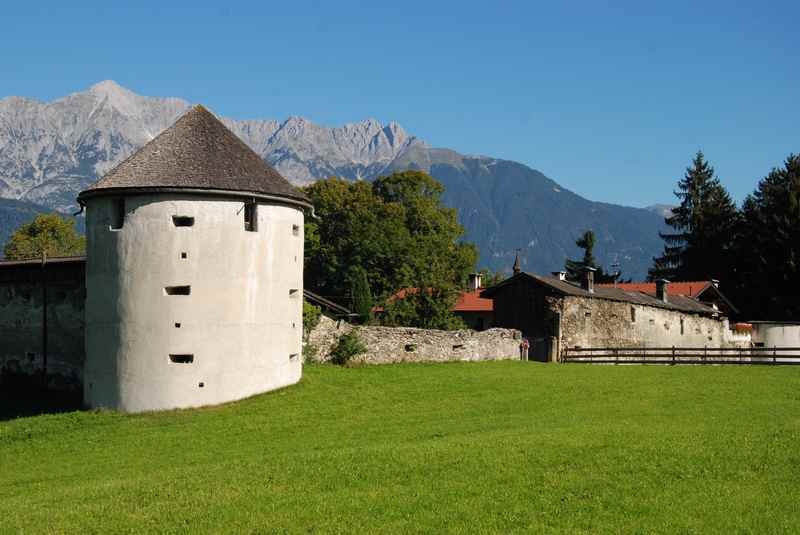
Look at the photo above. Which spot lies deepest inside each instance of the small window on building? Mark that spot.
(293, 357)
(182, 221)
(251, 217)
(633, 314)
(294, 292)
(184, 255)
(177, 290)
(117, 214)
(295, 230)
(182, 359)
(681, 326)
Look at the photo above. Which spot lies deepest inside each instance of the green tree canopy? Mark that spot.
(700, 248)
(51, 234)
(768, 246)
(395, 229)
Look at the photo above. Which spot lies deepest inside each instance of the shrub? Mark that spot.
(348, 346)
(311, 315)
(309, 352)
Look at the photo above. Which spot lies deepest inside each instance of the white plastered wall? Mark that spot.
(239, 323)
(776, 334)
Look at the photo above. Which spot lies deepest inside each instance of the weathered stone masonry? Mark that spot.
(587, 322)
(24, 339)
(406, 344)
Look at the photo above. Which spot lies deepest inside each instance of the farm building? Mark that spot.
(557, 314)
(707, 292)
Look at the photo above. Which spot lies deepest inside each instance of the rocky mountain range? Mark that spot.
(51, 150)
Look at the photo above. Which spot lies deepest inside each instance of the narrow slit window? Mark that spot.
(681, 326)
(296, 230)
(182, 358)
(182, 221)
(251, 217)
(633, 315)
(117, 213)
(177, 290)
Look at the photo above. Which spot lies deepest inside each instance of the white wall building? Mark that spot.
(776, 334)
(194, 276)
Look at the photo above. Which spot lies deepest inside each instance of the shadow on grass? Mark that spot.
(21, 398)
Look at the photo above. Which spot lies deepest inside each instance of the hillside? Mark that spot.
(50, 151)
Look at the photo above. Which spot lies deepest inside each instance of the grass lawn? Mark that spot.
(465, 447)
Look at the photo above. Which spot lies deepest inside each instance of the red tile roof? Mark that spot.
(472, 301)
(469, 301)
(690, 288)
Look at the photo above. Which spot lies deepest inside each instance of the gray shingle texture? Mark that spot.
(676, 302)
(197, 152)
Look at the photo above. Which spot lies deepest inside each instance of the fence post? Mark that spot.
(774, 354)
(673, 355)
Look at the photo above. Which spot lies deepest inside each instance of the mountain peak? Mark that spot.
(108, 87)
(123, 100)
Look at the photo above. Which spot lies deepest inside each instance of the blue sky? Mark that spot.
(609, 99)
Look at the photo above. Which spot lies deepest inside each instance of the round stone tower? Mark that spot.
(194, 273)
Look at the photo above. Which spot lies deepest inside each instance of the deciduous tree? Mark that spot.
(48, 234)
(395, 229)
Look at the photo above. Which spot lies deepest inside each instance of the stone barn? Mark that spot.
(194, 273)
(556, 314)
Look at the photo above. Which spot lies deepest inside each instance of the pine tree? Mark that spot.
(700, 246)
(574, 268)
(361, 293)
(768, 246)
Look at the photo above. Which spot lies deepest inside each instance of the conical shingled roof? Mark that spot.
(197, 152)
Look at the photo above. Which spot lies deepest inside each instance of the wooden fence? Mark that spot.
(683, 355)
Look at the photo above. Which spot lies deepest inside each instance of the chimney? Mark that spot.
(560, 275)
(517, 268)
(475, 281)
(661, 290)
(587, 283)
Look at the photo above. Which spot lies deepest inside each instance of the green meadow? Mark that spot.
(427, 448)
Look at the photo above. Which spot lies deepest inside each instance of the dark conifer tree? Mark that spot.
(700, 246)
(768, 246)
(574, 268)
(361, 294)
